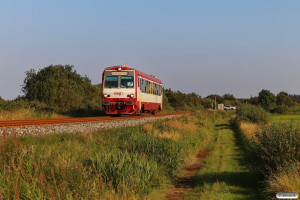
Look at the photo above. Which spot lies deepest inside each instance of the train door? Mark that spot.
(139, 99)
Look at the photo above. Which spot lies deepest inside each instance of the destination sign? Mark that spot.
(119, 73)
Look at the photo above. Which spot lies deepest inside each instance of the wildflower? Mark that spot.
(102, 179)
(62, 185)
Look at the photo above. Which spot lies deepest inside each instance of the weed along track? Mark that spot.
(185, 183)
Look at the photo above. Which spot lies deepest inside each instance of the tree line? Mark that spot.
(59, 88)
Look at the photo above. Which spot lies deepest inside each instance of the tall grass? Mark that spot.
(286, 181)
(126, 163)
(21, 114)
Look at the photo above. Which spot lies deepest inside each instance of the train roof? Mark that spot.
(142, 74)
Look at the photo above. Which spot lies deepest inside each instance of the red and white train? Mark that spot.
(129, 91)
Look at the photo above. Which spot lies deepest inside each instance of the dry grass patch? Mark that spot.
(249, 129)
(182, 126)
(173, 129)
(285, 182)
(166, 134)
(148, 127)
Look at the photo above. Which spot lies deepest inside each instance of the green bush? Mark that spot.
(282, 109)
(277, 146)
(252, 114)
(60, 87)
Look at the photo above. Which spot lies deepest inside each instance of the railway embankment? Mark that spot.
(78, 127)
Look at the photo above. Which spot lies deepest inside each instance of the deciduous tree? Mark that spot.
(267, 99)
(60, 87)
(283, 99)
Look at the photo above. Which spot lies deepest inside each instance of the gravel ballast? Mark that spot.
(77, 127)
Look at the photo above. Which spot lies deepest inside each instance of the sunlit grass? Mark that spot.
(125, 163)
(287, 181)
(249, 129)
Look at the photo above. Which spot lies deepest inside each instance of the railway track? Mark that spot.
(33, 122)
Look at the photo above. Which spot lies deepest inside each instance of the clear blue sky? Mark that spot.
(225, 46)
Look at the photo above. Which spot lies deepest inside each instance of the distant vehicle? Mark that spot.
(129, 91)
(228, 107)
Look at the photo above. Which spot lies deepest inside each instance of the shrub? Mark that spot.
(277, 146)
(252, 113)
(282, 109)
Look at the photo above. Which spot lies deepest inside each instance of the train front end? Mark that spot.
(119, 90)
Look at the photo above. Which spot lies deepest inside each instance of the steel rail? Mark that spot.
(33, 122)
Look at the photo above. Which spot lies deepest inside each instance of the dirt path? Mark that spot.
(185, 183)
(225, 175)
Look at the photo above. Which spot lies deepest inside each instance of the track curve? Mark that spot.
(32, 122)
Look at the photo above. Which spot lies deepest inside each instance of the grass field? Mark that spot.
(129, 163)
(285, 118)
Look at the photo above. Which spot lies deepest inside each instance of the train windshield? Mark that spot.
(111, 82)
(127, 81)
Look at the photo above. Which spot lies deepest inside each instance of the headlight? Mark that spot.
(131, 95)
(105, 95)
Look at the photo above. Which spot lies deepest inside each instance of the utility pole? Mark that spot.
(215, 102)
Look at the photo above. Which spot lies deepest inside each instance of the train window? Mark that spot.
(143, 86)
(138, 82)
(158, 90)
(111, 82)
(127, 81)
